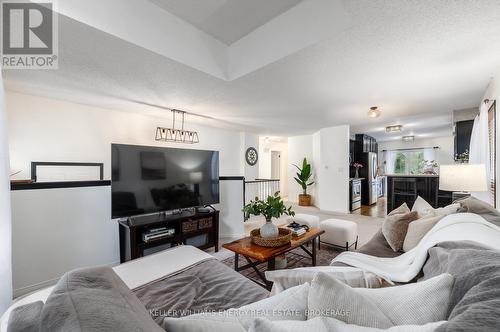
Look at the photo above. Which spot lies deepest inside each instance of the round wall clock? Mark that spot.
(251, 155)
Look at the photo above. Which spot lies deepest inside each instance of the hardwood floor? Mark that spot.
(376, 210)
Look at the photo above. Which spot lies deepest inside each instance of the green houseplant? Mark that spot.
(272, 207)
(304, 179)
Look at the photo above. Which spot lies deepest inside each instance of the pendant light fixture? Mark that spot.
(393, 129)
(374, 112)
(177, 135)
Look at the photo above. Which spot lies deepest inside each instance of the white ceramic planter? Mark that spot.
(269, 230)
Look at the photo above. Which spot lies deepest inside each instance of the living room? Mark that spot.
(198, 158)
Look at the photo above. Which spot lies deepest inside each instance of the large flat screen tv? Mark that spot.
(148, 179)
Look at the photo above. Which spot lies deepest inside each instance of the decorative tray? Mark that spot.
(284, 238)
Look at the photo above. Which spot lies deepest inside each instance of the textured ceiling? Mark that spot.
(226, 20)
(414, 59)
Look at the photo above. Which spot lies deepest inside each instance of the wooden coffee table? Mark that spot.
(255, 254)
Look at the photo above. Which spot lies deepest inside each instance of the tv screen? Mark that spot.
(148, 179)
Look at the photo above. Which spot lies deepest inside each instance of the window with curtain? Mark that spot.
(411, 161)
(492, 147)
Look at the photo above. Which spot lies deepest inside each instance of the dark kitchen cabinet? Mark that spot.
(463, 132)
(406, 188)
(365, 143)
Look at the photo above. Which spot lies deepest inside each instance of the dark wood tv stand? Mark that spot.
(187, 224)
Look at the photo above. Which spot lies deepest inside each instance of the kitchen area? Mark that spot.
(367, 183)
(388, 172)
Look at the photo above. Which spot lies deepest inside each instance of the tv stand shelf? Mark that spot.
(187, 225)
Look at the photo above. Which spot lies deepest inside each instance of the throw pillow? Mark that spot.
(423, 208)
(326, 324)
(417, 230)
(352, 276)
(290, 304)
(395, 227)
(402, 209)
(410, 304)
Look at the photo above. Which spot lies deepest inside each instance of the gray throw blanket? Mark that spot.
(475, 302)
(206, 286)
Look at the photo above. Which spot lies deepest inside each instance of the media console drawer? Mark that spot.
(205, 223)
(189, 226)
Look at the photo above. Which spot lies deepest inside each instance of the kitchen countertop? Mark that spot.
(350, 179)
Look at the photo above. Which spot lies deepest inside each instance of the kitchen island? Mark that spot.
(405, 188)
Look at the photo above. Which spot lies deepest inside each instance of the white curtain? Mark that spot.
(479, 147)
(389, 161)
(5, 223)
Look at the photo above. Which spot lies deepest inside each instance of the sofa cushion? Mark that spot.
(410, 304)
(25, 318)
(327, 324)
(475, 297)
(352, 276)
(94, 299)
(395, 227)
(477, 206)
(417, 230)
(290, 304)
(423, 208)
(378, 246)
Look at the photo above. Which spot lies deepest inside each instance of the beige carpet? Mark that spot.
(367, 226)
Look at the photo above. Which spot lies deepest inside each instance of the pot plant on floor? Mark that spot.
(303, 178)
(272, 207)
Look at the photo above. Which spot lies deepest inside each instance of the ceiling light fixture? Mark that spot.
(177, 135)
(393, 129)
(410, 138)
(374, 112)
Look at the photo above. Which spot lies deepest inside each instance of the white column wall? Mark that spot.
(298, 148)
(5, 217)
(328, 152)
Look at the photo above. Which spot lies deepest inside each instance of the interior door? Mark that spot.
(275, 164)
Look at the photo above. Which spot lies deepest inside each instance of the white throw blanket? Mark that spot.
(455, 227)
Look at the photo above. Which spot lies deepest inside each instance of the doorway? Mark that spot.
(275, 165)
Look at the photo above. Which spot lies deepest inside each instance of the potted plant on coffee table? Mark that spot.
(272, 207)
(303, 178)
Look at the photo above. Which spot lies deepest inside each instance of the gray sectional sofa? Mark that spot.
(96, 299)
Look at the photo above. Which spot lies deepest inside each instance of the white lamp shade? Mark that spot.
(463, 177)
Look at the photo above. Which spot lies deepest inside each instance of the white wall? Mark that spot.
(231, 216)
(299, 147)
(42, 129)
(328, 152)
(265, 149)
(444, 155)
(249, 140)
(5, 216)
(62, 229)
(54, 234)
(333, 169)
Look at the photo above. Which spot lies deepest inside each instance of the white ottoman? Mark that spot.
(306, 219)
(339, 233)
